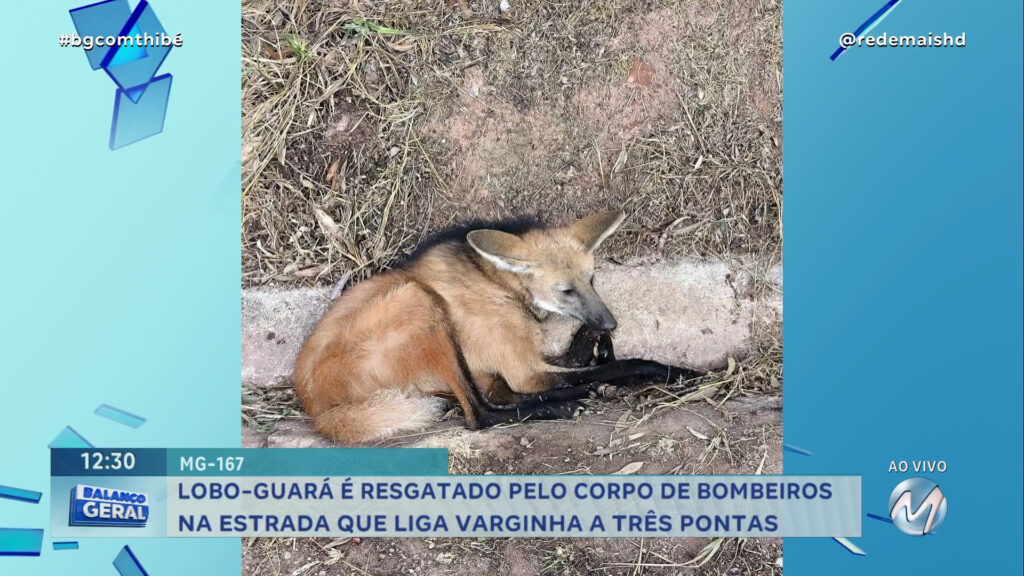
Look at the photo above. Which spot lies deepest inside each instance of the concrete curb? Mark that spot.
(688, 313)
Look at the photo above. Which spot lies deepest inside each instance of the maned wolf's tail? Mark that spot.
(385, 413)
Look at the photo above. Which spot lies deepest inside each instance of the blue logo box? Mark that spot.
(96, 506)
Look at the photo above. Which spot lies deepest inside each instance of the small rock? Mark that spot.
(503, 6)
(565, 175)
(667, 445)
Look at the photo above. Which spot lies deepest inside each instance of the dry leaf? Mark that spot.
(760, 467)
(623, 420)
(401, 47)
(631, 468)
(271, 53)
(327, 224)
(310, 272)
(620, 161)
(339, 286)
(696, 434)
(332, 172)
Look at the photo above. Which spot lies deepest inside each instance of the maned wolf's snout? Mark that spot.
(591, 309)
(603, 321)
(609, 323)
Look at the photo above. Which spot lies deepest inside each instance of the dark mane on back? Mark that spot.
(457, 233)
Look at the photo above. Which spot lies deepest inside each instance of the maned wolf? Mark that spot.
(461, 319)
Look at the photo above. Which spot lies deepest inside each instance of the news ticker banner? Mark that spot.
(381, 492)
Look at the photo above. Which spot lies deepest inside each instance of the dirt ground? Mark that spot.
(359, 140)
(641, 433)
(369, 124)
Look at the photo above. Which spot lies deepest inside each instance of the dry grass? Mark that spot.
(548, 556)
(264, 406)
(369, 124)
(759, 372)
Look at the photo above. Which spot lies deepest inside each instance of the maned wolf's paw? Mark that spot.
(556, 411)
(604, 352)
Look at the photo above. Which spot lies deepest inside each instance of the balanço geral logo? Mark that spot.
(98, 506)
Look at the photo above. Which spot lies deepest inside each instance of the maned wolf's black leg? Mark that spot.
(505, 406)
(579, 383)
(536, 411)
(560, 402)
(487, 412)
(631, 372)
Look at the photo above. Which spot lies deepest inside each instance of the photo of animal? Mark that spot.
(545, 237)
(460, 320)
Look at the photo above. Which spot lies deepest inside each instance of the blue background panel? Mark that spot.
(904, 275)
(124, 285)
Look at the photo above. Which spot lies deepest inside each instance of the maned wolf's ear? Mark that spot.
(592, 230)
(501, 249)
